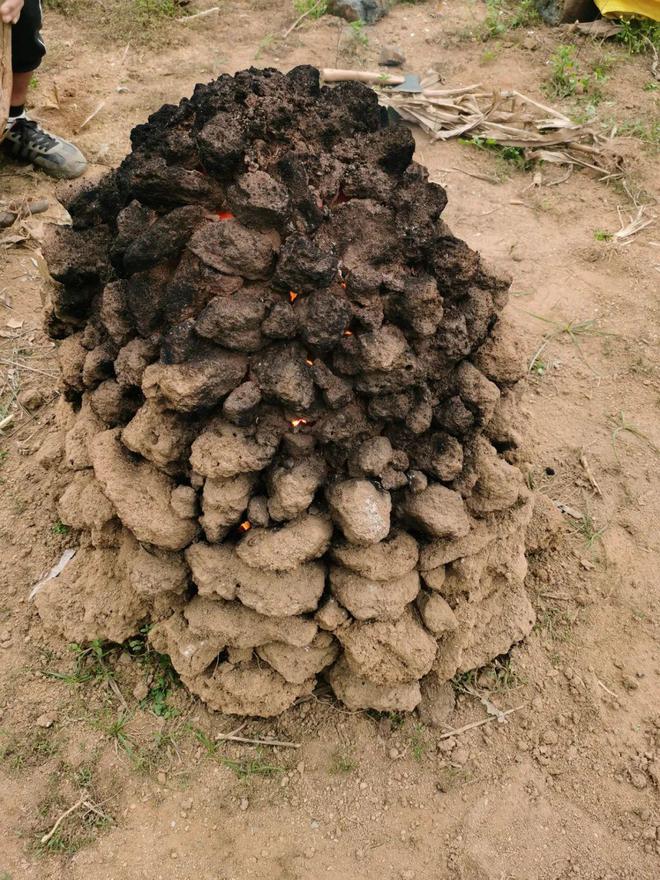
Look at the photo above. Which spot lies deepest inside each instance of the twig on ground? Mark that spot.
(459, 730)
(76, 806)
(186, 18)
(229, 737)
(301, 18)
(607, 690)
(18, 366)
(590, 476)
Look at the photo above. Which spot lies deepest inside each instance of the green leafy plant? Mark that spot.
(146, 10)
(503, 15)
(342, 761)
(310, 8)
(60, 529)
(565, 75)
(89, 664)
(358, 33)
(602, 235)
(639, 35)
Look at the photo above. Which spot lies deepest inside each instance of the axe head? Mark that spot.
(411, 84)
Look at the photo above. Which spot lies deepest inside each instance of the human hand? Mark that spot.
(10, 10)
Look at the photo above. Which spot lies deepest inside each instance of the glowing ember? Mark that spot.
(342, 284)
(297, 422)
(348, 333)
(292, 296)
(245, 526)
(224, 215)
(309, 363)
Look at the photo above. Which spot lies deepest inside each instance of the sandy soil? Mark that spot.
(569, 787)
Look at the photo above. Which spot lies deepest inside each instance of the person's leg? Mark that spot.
(24, 139)
(19, 89)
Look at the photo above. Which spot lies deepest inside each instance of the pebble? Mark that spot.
(363, 786)
(460, 755)
(550, 737)
(393, 754)
(638, 779)
(245, 803)
(46, 720)
(141, 691)
(162, 777)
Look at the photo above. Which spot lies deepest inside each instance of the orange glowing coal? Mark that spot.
(348, 332)
(309, 363)
(292, 296)
(245, 526)
(224, 215)
(297, 422)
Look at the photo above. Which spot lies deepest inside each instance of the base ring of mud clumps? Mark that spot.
(289, 413)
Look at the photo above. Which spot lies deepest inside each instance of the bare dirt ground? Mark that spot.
(569, 787)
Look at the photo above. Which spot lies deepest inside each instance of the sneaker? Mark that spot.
(25, 139)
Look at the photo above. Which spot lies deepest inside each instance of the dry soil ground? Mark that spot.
(569, 787)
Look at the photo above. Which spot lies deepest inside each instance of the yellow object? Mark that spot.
(621, 8)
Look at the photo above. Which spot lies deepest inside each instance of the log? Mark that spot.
(5, 76)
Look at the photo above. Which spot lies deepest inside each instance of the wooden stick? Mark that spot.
(590, 476)
(66, 813)
(474, 724)
(6, 77)
(186, 18)
(332, 74)
(301, 18)
(258, 742)
(25, 367)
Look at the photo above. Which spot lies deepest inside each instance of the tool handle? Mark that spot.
(5, 75)
(331, 74)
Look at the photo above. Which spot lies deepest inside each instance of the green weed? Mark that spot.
(247, 768)
(3, 456)
(358, 33)
(60, 529)
(89, 664)
(150, 10)
(503, 16)
(602, 235)
(163, 677)
(639, 35)
(565, 78)
(510, 157)
(311, 8)
(590, 531)
(418, 743)
(651, 86)
(572, 330)
(500, 674)
(648, 132)
(342, 761)
(620, 426)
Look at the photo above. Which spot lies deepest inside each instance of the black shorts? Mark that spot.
(27, 48)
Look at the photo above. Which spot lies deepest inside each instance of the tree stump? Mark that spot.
(561, 11)
(5, 75)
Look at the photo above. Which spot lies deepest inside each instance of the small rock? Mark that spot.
(393, 754)
(141, 691)
(391, 56)
(162, 777)
(32, 399)
(638, 779)
(46, 720)
(550, 737)
(460, 755)
(245, 803)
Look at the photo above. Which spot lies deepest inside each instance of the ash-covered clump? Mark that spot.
(289, 407)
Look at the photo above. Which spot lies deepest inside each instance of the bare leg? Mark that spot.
(20, 88)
